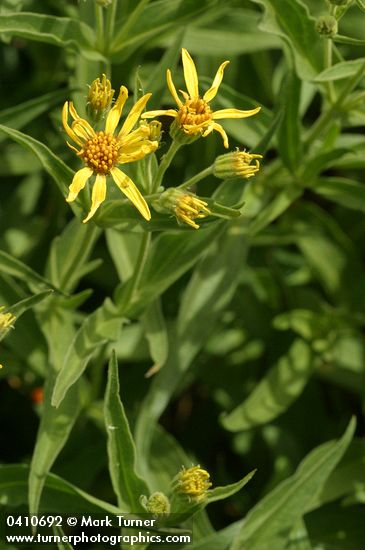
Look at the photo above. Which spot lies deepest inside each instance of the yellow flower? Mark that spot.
(194, 115)
(193, 482)
(102, 151)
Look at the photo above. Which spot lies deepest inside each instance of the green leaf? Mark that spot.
(156, 19)
(170, 255)
(61, 173)
(361, 4)
(20, 307)
(269, 523)
(289, 142)
(59, 31)
(219, 540)
(320, 162)
(69, 252)
(209, 291)
(228, 42)
(290, 19)
(348, 478)
(220, 493)
(128, 486)
(99, 328)
(274, 394)
(21, 271)
(340, 39)
(337, 527)
(343, 191)
(56, 424)
(154, 324)
(53, 432)
(156, 82)
(344, 69)
(59, 496)
(22, 114)
(275, 208)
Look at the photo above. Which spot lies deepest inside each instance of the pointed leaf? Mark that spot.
(269, 523)
(127, 484)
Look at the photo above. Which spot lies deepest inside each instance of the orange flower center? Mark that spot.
(195, 112)
(101, 152)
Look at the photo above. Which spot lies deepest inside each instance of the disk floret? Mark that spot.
(101, 152)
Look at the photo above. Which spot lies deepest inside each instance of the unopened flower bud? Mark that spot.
(186, 206)
(236, 165)
(7, 321)
(178, 134)
(154, 129)
(99, 98)
(327, 26)
(156, 504)
(192, 482)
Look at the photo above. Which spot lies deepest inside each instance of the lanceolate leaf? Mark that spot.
(22, 114)
(128, 486)
(290, 20)
(60, 31)
(276, 391)
(268, 524)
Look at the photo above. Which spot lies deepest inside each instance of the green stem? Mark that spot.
(328, 64)
(109, 26)
(326, 118)
(140, 263)
(201, 175)
(99, 19)
(164, 164)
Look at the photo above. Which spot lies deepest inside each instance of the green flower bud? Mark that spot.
(192, 482)
(327, 26)
(7, 321)
(156, 504)
(185, 206)
(236, 165)
(99, 98)
(178, 134)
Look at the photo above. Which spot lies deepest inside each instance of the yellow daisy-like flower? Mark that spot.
(102, 151)
(194, 115)
(193, 482)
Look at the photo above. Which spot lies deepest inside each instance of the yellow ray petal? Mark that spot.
(161, 112)
(134, 115)
(66, 126)
(78, 183)
(212, 92)
(172, 88)
(190, 74)
(184, 94)
(83, 129)
(234, 113)
(73, 111)
(115, 113)
(98, 195)
(136, 136)
(137, 152)
(208, 130)
(219, 129)
(127, 187)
